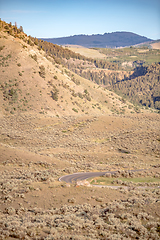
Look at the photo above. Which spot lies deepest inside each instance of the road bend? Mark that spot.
(71, 178)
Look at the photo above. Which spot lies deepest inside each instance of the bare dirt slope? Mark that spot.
(43, 138)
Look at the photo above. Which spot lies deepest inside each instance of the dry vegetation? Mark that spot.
(89, 53)
(156, 45)
(36, 151)
(53, 123)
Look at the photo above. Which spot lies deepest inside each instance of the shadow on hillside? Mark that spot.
(139, 71)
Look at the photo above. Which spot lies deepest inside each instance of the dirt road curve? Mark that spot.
(82, 176)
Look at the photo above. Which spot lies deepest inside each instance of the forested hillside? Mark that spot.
(143, 89)
(60, 55)
(137, 80)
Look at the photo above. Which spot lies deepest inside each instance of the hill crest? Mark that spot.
(110, 40)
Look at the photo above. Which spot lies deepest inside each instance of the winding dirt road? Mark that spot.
(83, 176)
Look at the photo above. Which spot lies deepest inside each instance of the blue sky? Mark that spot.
(60, 18)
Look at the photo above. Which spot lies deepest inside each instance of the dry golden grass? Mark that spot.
(156, 45)
(87, 52)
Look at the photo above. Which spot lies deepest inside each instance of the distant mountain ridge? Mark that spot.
(110, 40)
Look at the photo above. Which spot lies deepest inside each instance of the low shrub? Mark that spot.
(34, 57)
(75, 110)
(54, 93)
(42, 71)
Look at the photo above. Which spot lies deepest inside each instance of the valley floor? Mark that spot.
(35, 150)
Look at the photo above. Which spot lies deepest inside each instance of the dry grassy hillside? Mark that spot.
(54, 123)
(30, 81)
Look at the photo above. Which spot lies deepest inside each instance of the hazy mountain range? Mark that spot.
(110, 40)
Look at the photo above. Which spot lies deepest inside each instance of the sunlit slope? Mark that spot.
(32, 81)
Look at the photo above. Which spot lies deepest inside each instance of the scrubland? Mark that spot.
(53, 124)
(35, 205)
